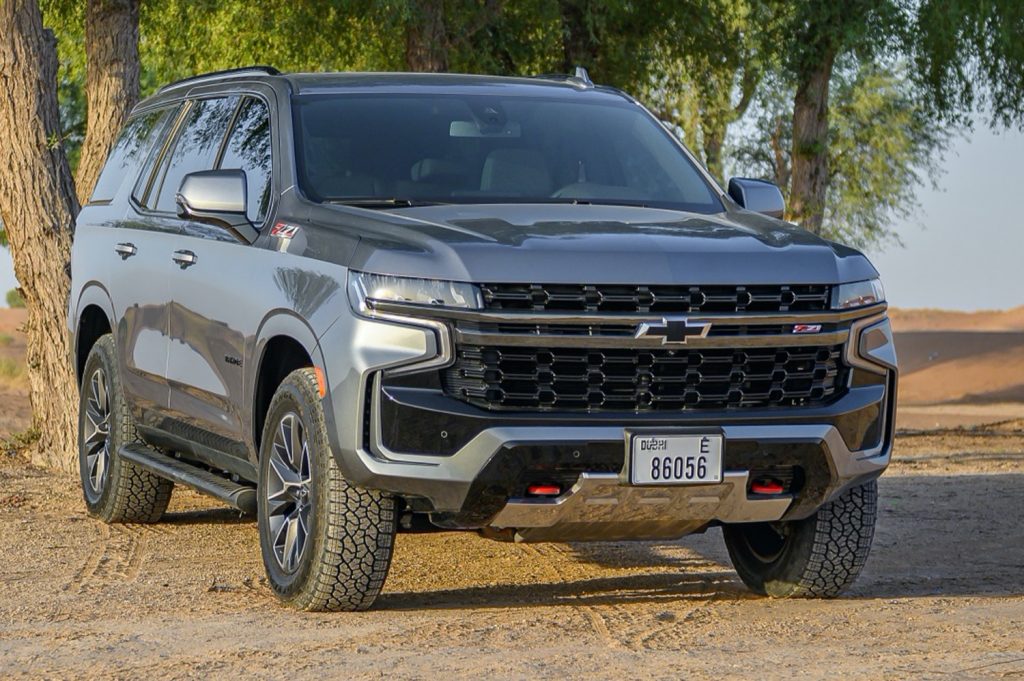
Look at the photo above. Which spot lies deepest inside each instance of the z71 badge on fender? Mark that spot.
(283, 230)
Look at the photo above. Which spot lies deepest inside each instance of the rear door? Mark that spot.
(124, 250)
(212, 313)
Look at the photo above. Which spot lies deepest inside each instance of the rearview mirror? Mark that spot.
(216, 197)
(759, 196)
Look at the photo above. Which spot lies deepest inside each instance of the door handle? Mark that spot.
(185, 258)
(125, 250)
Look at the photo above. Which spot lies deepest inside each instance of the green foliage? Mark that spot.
(6, 340)
(970, 54)
(881, 149)
(67, 20)
(14, 299)
(705, 79)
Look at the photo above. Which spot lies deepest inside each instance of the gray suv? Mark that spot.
(351, 303)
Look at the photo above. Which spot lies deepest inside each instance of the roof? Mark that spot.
(306, 83)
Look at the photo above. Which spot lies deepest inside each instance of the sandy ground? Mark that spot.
(942, 595)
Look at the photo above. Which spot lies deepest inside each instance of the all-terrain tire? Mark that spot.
(125, 493)
(817, 557)
(349, 532)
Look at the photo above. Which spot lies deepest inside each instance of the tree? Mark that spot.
(821, 31)
(707, 76)
(882, 148)
(970, 54)
(38, 221)
(112, 82)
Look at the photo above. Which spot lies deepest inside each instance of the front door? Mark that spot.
(213, 314)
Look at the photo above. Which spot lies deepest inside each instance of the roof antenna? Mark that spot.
(581, 75)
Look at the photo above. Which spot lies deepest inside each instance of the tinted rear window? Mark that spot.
(129, 153)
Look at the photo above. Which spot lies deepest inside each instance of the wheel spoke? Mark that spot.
(286, 475)
(284, 442)
(296, 446)
(291, 534)
(99, 468)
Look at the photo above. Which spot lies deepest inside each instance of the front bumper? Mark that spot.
(468, 467)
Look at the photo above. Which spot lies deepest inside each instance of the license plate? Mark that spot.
(675, 459)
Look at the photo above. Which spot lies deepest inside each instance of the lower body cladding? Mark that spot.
(471, 468)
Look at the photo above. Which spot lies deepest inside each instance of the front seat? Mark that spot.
(516, 172)
(330, 171)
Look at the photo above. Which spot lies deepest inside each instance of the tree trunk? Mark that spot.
(426, 38)
(713, 134)
(112, 82)
(810, 146)
(38, 207)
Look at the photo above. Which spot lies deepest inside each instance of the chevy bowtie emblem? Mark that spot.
(673, 330)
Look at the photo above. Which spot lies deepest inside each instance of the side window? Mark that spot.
(194, 149)
(128, 154)
(248, 149)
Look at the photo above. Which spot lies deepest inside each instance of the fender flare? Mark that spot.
(278, 322)
(93, 294)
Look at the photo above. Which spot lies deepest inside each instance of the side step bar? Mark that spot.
(242, 497)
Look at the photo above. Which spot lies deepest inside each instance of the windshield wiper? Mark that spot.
(603, 202)
(383, 202)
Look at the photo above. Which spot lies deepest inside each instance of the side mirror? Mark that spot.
(759, 196)
(216, 197)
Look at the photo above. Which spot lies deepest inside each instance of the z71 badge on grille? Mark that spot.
(673, 330)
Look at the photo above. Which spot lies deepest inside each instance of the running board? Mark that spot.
(242, 497)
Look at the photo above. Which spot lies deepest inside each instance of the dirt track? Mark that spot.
(942, 595)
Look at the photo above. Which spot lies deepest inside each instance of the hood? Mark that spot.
(557, 243)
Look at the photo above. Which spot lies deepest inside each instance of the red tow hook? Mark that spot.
(766, 486)
(544, 490)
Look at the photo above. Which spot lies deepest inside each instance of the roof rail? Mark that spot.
(579, 77)
(213, 75)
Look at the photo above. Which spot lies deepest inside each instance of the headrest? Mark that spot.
(516, 172)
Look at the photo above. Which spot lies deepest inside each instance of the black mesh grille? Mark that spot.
(642, 380)
(663, 299)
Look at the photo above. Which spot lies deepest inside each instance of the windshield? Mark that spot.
(385, 150)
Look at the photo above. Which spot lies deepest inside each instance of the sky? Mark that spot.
(964, 251)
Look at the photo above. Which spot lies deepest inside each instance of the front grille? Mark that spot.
(630, 379)
(666, 299)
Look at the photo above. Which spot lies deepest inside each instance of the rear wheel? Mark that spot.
(817, 557)
(326, 544)
(115, 490)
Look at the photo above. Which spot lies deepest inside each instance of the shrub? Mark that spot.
(14, 298)
(11, 371)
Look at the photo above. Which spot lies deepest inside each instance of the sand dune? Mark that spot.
(952, 320)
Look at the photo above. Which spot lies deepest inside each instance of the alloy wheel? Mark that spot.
(96, 438)
(288, 492)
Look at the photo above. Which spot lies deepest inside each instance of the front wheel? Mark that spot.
(326, 544)
(817, 557)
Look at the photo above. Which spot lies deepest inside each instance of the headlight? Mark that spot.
(857, 294)
(364, 285)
